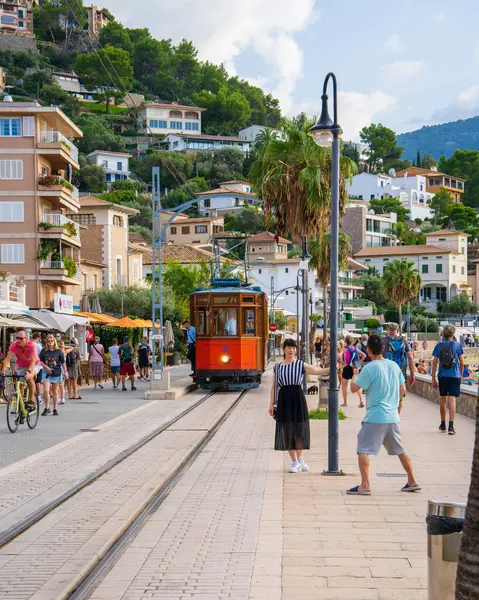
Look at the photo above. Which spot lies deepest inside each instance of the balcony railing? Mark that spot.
(53, 264)
(53, 180)
(59, 220)
(350, 281)
(355, 303)
(10, 293)
(55, 137)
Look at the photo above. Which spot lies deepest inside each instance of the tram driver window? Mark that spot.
(225, 321)
(248, 321)
(203, 326)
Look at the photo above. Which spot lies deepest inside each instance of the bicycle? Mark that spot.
(17, 399)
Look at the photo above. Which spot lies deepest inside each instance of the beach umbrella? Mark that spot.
(125, 322)
(169, 340)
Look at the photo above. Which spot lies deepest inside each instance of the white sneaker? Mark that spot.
(295, 467)
(303, 465)
(62, 401)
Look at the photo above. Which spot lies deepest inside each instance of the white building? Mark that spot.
(410, 190)
(116, 164)
(229, 197)
(70, 82)
(191, 143)
(169, 118)
(251, 133)
(441, 262)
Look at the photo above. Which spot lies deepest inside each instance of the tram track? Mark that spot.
(13, 532)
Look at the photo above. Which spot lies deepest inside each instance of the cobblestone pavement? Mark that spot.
(94, 408)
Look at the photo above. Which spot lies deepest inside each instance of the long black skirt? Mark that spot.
(292, 421)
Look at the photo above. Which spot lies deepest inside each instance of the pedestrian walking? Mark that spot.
(127, 368)
(114, 351)
(61, 346)
(52, 360)
(73, 360)
(96, 358)
(318, 344)
(448, 365)
(36, 339)
(351, 360)
(424, 344)
(144, 353)
(190, 345)
(397, 349)
(289, 407)
(385, 385)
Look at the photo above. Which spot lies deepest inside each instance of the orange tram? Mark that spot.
(231, 335)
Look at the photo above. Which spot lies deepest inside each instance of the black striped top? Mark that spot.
(291, 374)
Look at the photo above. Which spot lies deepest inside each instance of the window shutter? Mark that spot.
(17, 169)
(13, 253)
(11, 169)
(28, 126)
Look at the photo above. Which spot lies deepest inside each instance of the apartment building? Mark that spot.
(198, 231)
(436, 181)
(253, 131)
(190, 143)
(184, 254)
(38, 240)
(367, 229)
(16, 17)
(441, 262)
(265, 246)
(169, 118)
(116, 164)
(228, 197)
(105, 237)
(97, 19)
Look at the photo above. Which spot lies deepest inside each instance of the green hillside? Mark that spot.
(441, 140)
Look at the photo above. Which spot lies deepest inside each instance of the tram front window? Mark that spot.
(225, 321)
(203, 326)
(249, 321)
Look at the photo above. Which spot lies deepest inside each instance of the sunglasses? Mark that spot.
(21, 338)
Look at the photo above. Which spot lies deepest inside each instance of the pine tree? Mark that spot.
(418, 159)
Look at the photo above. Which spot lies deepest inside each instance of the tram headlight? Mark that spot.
(225, 359)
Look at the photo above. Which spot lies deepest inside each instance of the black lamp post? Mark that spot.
(326, 134)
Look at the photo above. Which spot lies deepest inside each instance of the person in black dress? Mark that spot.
(292, 420)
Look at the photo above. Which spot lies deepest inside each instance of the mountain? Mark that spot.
(439, 140)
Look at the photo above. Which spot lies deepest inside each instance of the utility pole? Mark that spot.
(157, 274)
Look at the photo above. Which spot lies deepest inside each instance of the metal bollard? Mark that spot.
(445, 521)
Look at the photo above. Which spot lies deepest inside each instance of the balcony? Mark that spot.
(57, 226)
(350, 282)
(57, 145)
(12, 295)
(58, 270)
(57, 187)
(355, 303)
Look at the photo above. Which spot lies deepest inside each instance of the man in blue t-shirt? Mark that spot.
(385, 386)
(448, 356)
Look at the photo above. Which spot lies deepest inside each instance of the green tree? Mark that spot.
(441, 204)
(181, 76)
(418, 159)
(109, 69)
(401, 283)
(213, 77)
(246, 220)
(51, 19)
(184, 193)
(183, 280)
(115, 35)
(408, 235)
(176, 168)
(226, 113)
(320, 250)
(464, 164)
(428, 161)
(98, 134)
(149, 57)
(459, 305)
(145, 232)
(389, 205)
(221, 165)
(90, 178)
(373, 291)
(382, 149)
(293, 177)
(136, 301)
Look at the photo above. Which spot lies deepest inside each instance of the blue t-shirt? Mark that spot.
(381, 379)
(455, 371)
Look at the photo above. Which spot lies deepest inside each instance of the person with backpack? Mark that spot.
(127, 367)
(351, 359)
(396, 348)
(448, 364)
(96, 358)
(72, 359)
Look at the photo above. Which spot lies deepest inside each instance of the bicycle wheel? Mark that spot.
(33, 414)
(13, 413)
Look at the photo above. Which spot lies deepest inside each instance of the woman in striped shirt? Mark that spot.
(292, 420)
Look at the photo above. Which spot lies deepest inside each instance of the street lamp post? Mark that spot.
(326, 134)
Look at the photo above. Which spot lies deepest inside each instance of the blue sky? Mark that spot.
(412, 64)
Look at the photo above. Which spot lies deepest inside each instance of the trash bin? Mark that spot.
(445, 521)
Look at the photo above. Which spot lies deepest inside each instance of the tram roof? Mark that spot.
(230, 290)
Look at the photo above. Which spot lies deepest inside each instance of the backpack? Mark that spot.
(446, 356)
(364, 348)
(71, 358)
(125, 354)
(353, 356)
(396, 351)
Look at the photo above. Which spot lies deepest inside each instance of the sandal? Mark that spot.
(355, 491)
(100, 386)
(361, 406)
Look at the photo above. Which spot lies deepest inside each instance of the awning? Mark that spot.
(24, 322)
(96, 318)
(58, 321)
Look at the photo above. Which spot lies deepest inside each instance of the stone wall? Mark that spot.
(465, 405)
(17, 43)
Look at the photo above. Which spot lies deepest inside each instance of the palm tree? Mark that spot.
(320, 250)
(401, 283)
(293, 177)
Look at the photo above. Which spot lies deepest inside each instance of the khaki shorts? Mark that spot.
(372, 436)
(22, 371)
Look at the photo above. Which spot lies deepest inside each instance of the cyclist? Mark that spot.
(27, 363)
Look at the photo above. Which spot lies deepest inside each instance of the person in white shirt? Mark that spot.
(114, 351)
(230, 325)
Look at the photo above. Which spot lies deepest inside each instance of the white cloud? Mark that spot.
(222, 30)
(467, 96)
(394, 44)
(355, 110)
(465, 106)
(439, 16)
(401, 70)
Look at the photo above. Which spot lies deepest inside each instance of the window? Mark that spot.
(84, 282)
(260, 271)
(11, 212)
(10, 127)
(286, 270)
(118, 268)
(439, 268)
(463, 251)
(442, 239)
(207, 203)
(108, 177)
(13, 254)
(104, 163)
(11, 169)
(85, 219)
(136, 269)
(381, 183)
(117, 221)
(176, 125)
(20, 25)
(421, 187)
(201, 229)
(95, 282)
(248, 321)
(425, 268)
(28, 126)
(371, 197)
(20, 13)
(119, 166)
(453, 268)
(173, 230)
(225, 321)
(462, 270)
(203, 327)
(192, 126)
(185, 230)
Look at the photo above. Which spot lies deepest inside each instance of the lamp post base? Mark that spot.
(332, 473)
